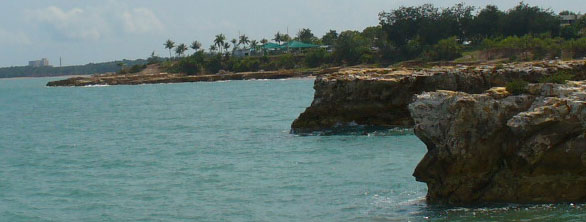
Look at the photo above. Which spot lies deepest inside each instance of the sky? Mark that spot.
(87, 31)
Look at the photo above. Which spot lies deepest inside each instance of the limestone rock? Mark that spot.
(380, 96)
(495, 147)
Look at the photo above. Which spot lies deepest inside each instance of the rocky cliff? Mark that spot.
(380, 97)
(497, 147)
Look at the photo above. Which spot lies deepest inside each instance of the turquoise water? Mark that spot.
(207, 152)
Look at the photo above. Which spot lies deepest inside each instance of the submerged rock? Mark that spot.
(379, 97)
(497, 147)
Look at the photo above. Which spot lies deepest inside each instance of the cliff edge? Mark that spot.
(379, 97)
(497, 147)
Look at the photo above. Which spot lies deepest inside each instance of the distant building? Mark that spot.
(569, 19)
(242, 52)
(39, 63)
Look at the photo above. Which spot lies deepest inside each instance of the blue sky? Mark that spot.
(96, 31)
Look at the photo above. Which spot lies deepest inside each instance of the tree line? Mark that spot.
(91, 68)
(411, 31)
(422, 32)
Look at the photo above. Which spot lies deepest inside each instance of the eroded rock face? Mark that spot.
(496, 147)
(379, 97)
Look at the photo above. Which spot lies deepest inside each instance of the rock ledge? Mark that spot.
(496, 147)
(379, 97)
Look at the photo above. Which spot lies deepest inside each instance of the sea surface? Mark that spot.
(217, 151)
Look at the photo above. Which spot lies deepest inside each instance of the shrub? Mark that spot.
(191, 65)
(517, 87)
(446, 49)
(132, 69)
(154, 59)
(137, 68)
(214, 64)
(577, 47)
(286, 61)
(315, 58)
(560, 78)
(247, 64)
(350, 47)
(166, 65)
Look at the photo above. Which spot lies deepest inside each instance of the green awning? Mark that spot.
(298, 45)
(271, 45)
(289, 45)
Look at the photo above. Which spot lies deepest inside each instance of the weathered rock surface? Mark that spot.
(496, 147)
(379, 97)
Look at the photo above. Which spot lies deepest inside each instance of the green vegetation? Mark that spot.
(559, 78)
(517, 87)
(317, 57)
(576, 47)
(422, 33)
(412, 31)
(132, 69)
(169, 45)
(350, 48)
(445, 49)
(530, 47)
(180, 49)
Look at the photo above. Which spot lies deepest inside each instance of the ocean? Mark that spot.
(209, 151)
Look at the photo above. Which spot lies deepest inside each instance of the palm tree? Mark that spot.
(244, 40)
(169, 45)
(213, 48)
(278, 38)
(226, 46)
(285, 38)
(253, 44)
(264, 41)
(181, 48)
(235, 43)
(195, 45)
(219, 41)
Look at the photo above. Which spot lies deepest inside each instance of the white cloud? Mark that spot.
(94, 23)
(76, 24)
(141, 20)
(19, 38)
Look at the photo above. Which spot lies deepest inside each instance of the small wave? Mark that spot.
(415, 201)
(97, 85)
(358, 130)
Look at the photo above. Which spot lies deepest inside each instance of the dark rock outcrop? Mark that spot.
(496, 147)
(379, 97)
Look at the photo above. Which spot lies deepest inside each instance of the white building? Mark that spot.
(569, 19)
(39, 63)
(241, 52)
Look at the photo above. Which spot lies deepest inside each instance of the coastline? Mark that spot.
(154, 75)
(38, 77)
(488, 140)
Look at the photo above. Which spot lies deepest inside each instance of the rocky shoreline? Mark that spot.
(153, 75)
(380, 97)
(497, 147)
(484, 144)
